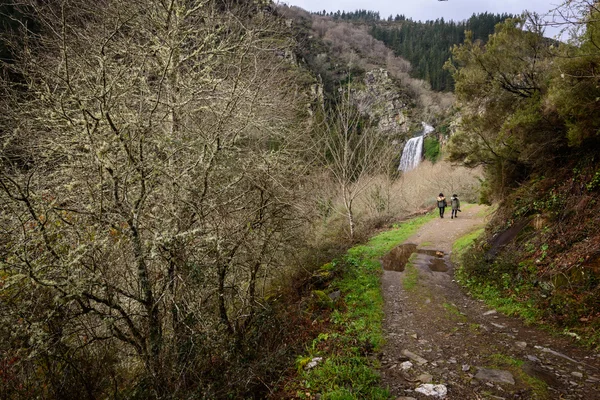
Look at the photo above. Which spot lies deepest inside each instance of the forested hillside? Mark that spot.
(427, 44)
(340, 52)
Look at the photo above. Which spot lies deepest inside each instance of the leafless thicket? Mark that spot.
(416, 190)
(353, 152)
(148, 191)
(385, 198)
(570, 17)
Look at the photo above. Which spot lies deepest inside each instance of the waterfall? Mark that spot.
(411, 155)
(427, 129)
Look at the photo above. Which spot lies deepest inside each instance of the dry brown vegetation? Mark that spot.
(353, 44)
(388, 199)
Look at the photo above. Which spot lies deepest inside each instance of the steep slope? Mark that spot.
(530, 115)
(342, 52)
(427, 45)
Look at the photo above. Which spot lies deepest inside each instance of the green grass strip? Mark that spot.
(463, 243)
(486, 291)
(411, 274)
(346, 370)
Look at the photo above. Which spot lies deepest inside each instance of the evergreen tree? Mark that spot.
(427, 44)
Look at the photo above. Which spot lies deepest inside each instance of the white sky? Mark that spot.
(457, 10)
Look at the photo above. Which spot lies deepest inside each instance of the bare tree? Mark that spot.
(147, 180)
(352, 151)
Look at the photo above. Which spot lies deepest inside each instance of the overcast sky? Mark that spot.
(429, 9)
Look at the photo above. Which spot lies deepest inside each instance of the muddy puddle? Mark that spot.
(396, 259)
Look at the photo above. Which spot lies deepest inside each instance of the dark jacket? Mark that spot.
(441, 202)
(455, 202)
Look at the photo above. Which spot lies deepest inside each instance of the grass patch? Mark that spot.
(379, 245)
(499, 360)
(487, 211)
(454, 311)
(354, 332)
(411, 274)
(504, 293)
(497, 299)
(463, 243)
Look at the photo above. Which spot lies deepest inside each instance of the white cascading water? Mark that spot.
(411, 155)
(427, 129)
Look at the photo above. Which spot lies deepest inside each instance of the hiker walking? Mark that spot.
(455, 203)
(442, 204)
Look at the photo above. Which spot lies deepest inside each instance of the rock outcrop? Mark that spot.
(383, 101)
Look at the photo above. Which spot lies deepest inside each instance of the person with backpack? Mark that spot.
(455, 203)
(442, 204)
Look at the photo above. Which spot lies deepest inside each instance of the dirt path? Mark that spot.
(437, 335)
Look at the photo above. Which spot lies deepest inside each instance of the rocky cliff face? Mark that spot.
(383, 101)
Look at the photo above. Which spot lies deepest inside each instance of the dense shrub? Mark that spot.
(431, 149)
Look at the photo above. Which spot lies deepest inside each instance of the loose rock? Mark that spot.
(415, 357)
(533, 358)
(313, 363)
(429, 389)
(406, 365)
(334, 296)
(495, 375)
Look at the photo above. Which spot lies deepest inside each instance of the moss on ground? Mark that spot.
(354, 331)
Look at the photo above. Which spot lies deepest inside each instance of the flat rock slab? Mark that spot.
(495, 375)
(415, 357)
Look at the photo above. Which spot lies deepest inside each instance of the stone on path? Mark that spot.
(429, 389)
(425, 378)
(533, 358)
(406, 365)
(415, 357)
(556, 353)
(495, 375)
